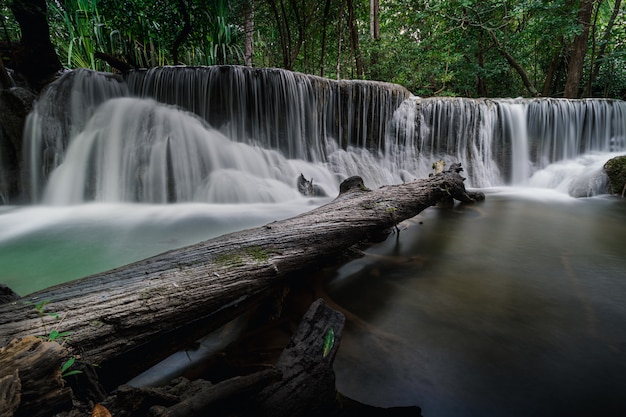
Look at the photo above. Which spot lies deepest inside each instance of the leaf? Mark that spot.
(67, 365)
(329, 341)
(100, 411)
(54, 334)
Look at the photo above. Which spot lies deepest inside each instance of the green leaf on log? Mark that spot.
(329, 341)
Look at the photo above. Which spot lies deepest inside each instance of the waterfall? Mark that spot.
(61, 113)
(229, 134)
(277, 109)
(504, 141)
(138, 150)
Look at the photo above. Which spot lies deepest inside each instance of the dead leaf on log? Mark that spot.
(100, 411)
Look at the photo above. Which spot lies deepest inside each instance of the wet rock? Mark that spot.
(7, 294)
(15, 104)
(615, 168)
(308, 189)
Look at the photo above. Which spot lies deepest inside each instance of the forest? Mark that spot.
(470, 48)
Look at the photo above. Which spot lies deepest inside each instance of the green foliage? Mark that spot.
(453, 48)
(65, 368)
(329, 341)
(55, 336)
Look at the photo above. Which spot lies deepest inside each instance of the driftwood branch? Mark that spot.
(157, 304)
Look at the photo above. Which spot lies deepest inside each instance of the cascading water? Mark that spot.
(59, 115)
(514, 298)
(140, 151)
(288, 122)
(505, 141)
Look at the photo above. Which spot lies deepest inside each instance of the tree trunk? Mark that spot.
(354, 37)
(30, 378)
(546, 90)
(481, 87)
(340, 37)
(579, 50)
(249, 34)
(513, 62)
(323, 48)
(159, 304)
(35, 58)
(184, 32)
(375, 19)
(301, 383)
(602, 50)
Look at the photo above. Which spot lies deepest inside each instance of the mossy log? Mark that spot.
(138, 313)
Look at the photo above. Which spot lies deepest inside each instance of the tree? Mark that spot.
(293, 21)
(249, 34)
(579, 50)
(596, 60)
(36, 58)
(457, 47)
(185, 30)
(375, 19)
(354, 38)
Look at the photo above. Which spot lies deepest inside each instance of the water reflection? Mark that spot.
(509, 308)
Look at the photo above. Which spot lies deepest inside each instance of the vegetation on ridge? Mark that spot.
(459, 47)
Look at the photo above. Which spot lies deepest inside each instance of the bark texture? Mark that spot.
(30, 378)
(579, 50)
(149, 306)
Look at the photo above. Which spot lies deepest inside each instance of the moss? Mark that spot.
(252, 253)
(229, 259)
(258, 253)
(615, 168)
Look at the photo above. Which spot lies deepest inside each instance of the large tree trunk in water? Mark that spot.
(579, 50)
(36, 58)
(158, 305)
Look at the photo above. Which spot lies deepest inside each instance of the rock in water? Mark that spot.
(308, 189)
(615, 168)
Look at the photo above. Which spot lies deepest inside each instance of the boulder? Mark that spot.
(615, 168)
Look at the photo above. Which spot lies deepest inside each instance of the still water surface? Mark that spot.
(513, 307)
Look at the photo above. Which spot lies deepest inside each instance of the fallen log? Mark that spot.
(30, 378)
(159, 304)
(301, 383)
